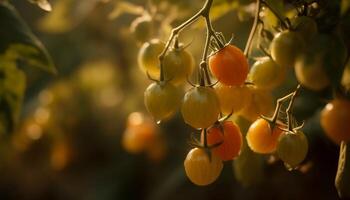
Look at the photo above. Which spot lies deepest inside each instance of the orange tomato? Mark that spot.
(229, 65)
(335, 120)
(199, 169)
(231, 139)
(260, 139)
(261, 103)
(139, 133)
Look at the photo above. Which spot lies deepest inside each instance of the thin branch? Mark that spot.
(253, 30)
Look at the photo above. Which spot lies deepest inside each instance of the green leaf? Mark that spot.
(17, 39)
(12, 87)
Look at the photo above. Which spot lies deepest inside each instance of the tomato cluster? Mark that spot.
(242, 91)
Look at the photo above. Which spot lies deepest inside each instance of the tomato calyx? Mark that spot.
(207, 148)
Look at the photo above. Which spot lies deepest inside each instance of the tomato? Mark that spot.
(306, 26)
(260, 139)
(142, 28)
(199, 169)
(148, 57)
(162, 100)
(200, 107)
(292, 148)
(310, 66)
(248, 167)
(157, 150)
(285, 48)
(261, 104)
(178, 64)
(231, 139)
(266, 74)
(335, 120)
(232, 98)
(229, 66)
(139, 133)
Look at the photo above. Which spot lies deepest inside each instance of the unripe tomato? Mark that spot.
(162, 100)
(306, 26)
(248, 167)
(199, 169)
(200, 107)
(335, 120)
(142, 28)
(285, 48)
(292, 148)
(309, 72)
(231, 139)
(139, 133)
(261, 104)
(178, 65)
(148, 57)
(232, 98)
(267, 74)
(261, 139)
(229, 66)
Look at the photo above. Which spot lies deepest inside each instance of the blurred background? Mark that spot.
(71, 143)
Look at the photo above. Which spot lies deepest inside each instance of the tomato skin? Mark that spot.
(232, 98)
(260, 139)
(261, 104)
(199, 169)
(148, 57)
(178, 64)
(285, 48)
(229, 66)
(139, 133)
(310, 73)
(162, 100)
(200, 107)
(142, 28)
(292, 148)
(267, 74)
(306, 26)
(335, 120)
(231, 140)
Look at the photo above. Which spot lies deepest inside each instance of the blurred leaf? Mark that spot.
(67, 14)
(18, 42)
(122, 7)
(219, 10)
(12, 87)
(43, 4)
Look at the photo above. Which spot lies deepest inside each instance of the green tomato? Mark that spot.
(142, 29)
(292, 148)
(306, 26)
(285, 48)
(162, 100)
(200, 107)
(177, 65)
(267, 74)
(148, 57)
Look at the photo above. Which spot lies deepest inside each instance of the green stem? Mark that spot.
(253, 30)
(283, 23)
(289, 108)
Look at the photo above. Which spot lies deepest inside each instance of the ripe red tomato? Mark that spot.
(199, 169)
(231, 139)
(335, 120)
(229, 65)
(260, 139)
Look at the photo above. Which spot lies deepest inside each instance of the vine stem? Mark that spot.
(253, 30)
(203, 12)
(283, 23)
(289, 108)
